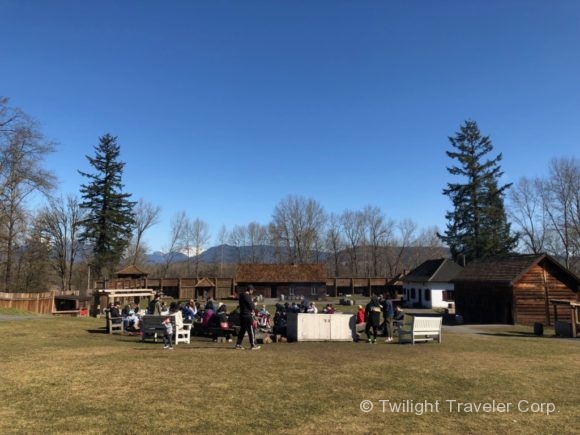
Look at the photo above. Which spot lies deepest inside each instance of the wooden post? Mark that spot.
(574, 318)
(546, 296)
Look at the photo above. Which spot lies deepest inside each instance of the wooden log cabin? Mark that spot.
(294, 281)
(513, 289)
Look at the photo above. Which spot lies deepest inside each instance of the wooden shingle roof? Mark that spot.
(438, 270)
(204, 282)
(280, 273)
(506, 269)
(131, 270)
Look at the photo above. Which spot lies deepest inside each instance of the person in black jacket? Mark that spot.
(372, 318)
(247, 318)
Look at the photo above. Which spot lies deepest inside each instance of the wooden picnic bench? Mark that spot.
(213, 331)
(422, 328)
(151, 325)
(114, 324)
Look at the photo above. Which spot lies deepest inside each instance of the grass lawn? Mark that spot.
(65, 375)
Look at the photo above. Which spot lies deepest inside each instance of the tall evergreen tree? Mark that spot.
(110, 218)
(477, 226)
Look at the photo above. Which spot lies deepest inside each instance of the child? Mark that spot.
(168, 333)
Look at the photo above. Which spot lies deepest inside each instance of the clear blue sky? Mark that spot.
(223, 108)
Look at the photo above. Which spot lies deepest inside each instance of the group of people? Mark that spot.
(304, 306)
(130, 315)
(369, 318)
(282, 311)
(210, 315)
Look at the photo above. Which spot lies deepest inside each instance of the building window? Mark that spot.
(313, 291)
(448, 295)
(291, 291)
(427, 294)
(413, 293)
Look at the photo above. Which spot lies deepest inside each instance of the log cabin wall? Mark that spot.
(533, 291)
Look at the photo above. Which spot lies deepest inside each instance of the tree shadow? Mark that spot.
(98, 331)
(511, 334)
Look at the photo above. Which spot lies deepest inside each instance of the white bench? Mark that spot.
(421, 329)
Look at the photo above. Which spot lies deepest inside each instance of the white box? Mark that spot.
(320, 327)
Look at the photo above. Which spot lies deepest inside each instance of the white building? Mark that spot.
(429, 285)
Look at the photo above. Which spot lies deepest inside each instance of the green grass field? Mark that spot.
(65, 375)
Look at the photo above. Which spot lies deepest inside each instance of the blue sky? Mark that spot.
(223, 108)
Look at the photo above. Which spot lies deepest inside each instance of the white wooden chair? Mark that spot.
(182, 330)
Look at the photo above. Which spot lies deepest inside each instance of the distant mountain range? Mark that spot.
(220, 254)
(227, 254)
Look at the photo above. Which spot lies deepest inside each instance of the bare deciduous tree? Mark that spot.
(257, 239)
(528, 211)
(406, 230)
(146, 215)
(297, 225)
(58, 224)
(563, 205)
(379, 233)
(22, 151)
(197, 232)
(32, 265)
(429, 244)
(239, 237)
(178, 228)
(334, 242)
(353, 228)
(222, 237)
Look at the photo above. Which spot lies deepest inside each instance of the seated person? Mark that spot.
(220, 320)
(189, 312)
(206, 318)
(312, 308)
(116, 313)
(131, 321)
(399, 317)
(280, 320)
(329, 309)
(210, 305)
(360, 320)
(263, 318)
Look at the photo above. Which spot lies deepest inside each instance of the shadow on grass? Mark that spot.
(527, 334)
(158, 347)
(510, 334)
(97, 331)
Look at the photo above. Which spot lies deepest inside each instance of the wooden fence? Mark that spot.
(223, 288)
(42, 303)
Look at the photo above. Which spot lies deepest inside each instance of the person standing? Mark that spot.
(154, 307)
(372, 318)
(360, 322)
(388, 313)
(246, 305)
(168, 334)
